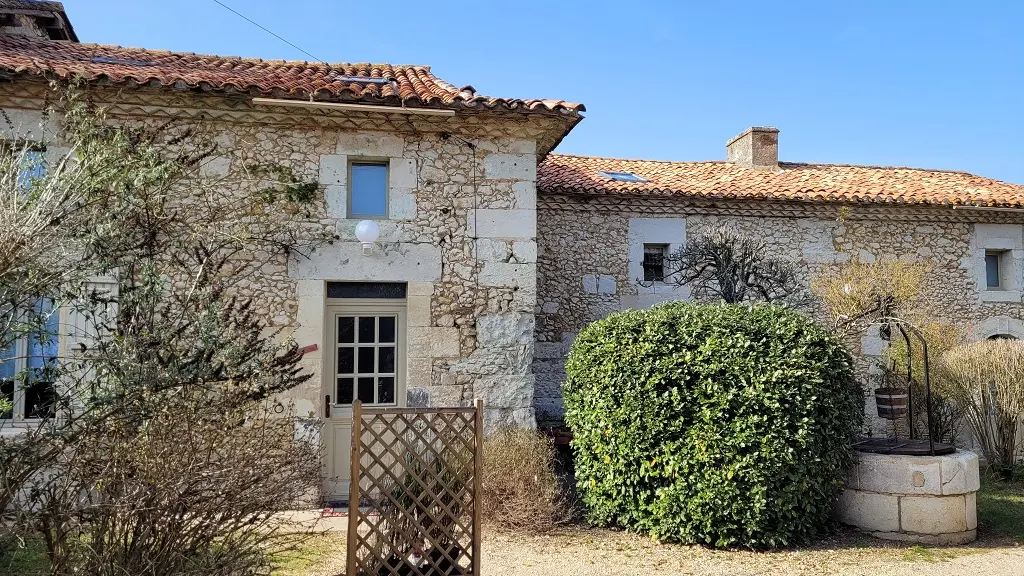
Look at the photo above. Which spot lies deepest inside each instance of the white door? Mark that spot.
(364, 360)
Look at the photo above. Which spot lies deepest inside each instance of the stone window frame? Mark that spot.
(670, 231)
(368, 161)
(1006, 240)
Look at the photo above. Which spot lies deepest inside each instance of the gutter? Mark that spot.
(351, 107)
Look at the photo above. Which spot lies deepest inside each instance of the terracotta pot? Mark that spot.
(891, 403)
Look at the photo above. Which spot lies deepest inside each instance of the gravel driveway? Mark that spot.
(607, 553)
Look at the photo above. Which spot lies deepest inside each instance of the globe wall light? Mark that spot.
(367, 232)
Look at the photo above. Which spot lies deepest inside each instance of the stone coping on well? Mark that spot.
(926, 499)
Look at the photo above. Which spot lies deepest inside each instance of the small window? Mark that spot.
(995, 269)
(621, 176)
(368, 190)
(654, 262)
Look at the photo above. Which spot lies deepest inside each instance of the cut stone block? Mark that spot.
(869, 511)
(899, 474)
(933, 515)
(960, 473)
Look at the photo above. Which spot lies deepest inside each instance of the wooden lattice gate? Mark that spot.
(414, 502)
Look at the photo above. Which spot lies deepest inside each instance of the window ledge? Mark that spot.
(12, 428)
(1000, 295)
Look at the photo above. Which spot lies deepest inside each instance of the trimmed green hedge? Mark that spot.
(728, 425)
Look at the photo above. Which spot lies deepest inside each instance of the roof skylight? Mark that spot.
(621, 176)
(121, 61)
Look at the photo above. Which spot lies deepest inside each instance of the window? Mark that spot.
(28, 366)
(33, 167)
(654, 262)
(366, 362)
(995, 269)
(368, 190)
(621, 176)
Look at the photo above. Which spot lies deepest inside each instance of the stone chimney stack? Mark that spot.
(38, 19)
(755, 147)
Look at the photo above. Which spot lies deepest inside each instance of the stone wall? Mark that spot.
(461, 232)
(590, 251)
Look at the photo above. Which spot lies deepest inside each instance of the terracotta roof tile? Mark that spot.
(794, 181)
(413, 86)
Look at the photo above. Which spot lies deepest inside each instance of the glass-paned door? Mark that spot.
(367, 359)
(364, 359)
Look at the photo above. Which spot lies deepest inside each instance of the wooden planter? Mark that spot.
(891, 403)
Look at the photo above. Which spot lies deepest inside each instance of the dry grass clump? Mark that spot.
(986, 380)
(521, 490)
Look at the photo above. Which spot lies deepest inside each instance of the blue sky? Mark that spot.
(934, 84)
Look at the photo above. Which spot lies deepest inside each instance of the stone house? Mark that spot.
(440, 310)
(493, 251)
(602, 221)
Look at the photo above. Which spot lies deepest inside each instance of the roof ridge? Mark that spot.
(786, 163)
(249, 59)
(638, 159)
(887, 167)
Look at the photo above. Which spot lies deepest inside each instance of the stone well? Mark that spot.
(926, 499)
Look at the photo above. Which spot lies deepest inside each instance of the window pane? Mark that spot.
(346, 330)
(42, 344)
(344, 391)
(7, 369)
(366, 390)
(366, 360)
(39, 398)
(33, 167)
(346, 360)
(366, 289)
(654, 262)
(386, 390)
(992, 270)
(387, 329)
(369, 190)
(7, 393)
(386, 360)
(366, 330)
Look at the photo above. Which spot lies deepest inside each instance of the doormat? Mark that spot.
(331, 511)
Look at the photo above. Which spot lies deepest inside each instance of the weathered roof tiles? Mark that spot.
(563, 173)
(414, 86)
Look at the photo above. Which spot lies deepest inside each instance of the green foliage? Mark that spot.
(285, 184)
(728, 425)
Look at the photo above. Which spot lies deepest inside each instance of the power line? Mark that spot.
(244, 17)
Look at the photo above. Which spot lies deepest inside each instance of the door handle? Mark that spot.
(327, 406)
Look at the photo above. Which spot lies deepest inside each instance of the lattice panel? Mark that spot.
(415, 506)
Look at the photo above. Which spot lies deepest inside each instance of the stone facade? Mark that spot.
(583, 238)
(461, 231)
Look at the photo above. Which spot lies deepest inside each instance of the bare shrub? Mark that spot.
(857, 294)
(731, 267)
(156, 454)
(986, 380)
(521, 490)
(947, 417)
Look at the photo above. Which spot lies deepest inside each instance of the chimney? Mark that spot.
(755, 147)
(38, 19)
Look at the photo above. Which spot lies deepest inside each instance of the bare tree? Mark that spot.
(162, 449)
(727, 266)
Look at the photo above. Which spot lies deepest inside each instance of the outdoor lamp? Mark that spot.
(367, 232)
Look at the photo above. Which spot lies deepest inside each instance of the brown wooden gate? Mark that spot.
(414, 502)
